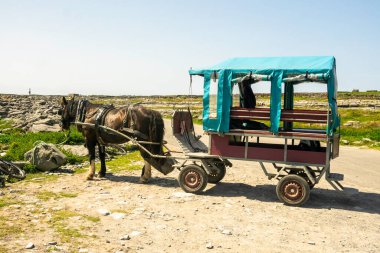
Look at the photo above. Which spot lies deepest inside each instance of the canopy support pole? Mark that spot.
(288, 103)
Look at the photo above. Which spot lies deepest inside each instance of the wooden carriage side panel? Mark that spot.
(261, 153)
(271, 152)
(303, 156)
(220, 146)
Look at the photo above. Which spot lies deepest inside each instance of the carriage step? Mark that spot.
(271, 175)
(335, 177)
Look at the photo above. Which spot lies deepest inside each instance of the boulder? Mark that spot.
(45, 156)
(79, 150)
(352, 123)
(45, 128)
(46, 121)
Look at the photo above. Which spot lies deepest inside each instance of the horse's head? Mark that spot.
(67, 112)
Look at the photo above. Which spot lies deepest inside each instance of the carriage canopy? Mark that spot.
(279, 71)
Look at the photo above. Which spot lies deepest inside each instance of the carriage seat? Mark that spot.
(183, 132)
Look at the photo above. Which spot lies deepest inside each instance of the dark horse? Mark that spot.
(134, 121)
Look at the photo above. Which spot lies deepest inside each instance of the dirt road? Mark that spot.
(241, 214)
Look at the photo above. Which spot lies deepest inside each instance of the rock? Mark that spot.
(83, 250)
(52, 243)
(226, 232)
(104, 212)
(45, 156)
(346, 142)
(46, 121)
(357, 143)
(366, 140)
(352, 123)
(29, 246)
(125, 238)
(311, 243)
(118, 216)
(135, 233)
(79, 150)
(209, 245)
(44, 128)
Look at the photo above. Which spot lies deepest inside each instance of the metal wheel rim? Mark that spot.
(293, 191)
(192, 179)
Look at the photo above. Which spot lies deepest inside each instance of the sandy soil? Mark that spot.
(240, 214)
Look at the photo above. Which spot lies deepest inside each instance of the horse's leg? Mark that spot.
(91, 154)
(102, 157)
(146, 173)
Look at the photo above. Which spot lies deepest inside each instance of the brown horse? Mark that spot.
(134, 121)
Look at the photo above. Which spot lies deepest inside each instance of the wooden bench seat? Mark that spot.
(306, 116)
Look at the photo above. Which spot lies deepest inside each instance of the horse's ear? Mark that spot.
(64, 101)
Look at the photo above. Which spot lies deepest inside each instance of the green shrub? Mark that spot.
(30, 168)
(75, 137)
(72, 158)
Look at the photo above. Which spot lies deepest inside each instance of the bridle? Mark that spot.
(68, 110)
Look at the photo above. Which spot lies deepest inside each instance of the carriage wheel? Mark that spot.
(304, 176)
(217, 175)
(293, 190)
(192, 179)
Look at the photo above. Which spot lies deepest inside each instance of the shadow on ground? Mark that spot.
(319, 198)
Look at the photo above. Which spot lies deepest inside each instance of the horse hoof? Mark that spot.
(143, 181)
(90, 177)
(101, 175)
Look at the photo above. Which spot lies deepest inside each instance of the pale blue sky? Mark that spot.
(146, 47)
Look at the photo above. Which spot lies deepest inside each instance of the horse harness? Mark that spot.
(99, 121)
(128, 122)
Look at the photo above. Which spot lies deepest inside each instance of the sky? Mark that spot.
(147, 47)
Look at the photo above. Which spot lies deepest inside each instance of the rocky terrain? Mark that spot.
(31, 113)
(39, 113)
(62, 212)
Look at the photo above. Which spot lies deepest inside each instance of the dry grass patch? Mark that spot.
(46, 195)
(67, 233)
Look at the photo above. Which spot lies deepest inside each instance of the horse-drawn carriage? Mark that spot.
(238, 130)
(300, 157)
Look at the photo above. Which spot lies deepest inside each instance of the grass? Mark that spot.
(19, 142)
(58, 222)
(66, 233)
(7, 229)
(7, 201)
(130, 161)
(369, 127)
(72, 158)
(43, 178)
(125, 211)
(46, 195)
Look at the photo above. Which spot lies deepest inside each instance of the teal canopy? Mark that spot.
(279, 69)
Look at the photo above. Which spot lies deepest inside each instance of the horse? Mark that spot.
(135, 121)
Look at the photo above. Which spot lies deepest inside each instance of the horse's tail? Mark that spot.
(156, 131)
